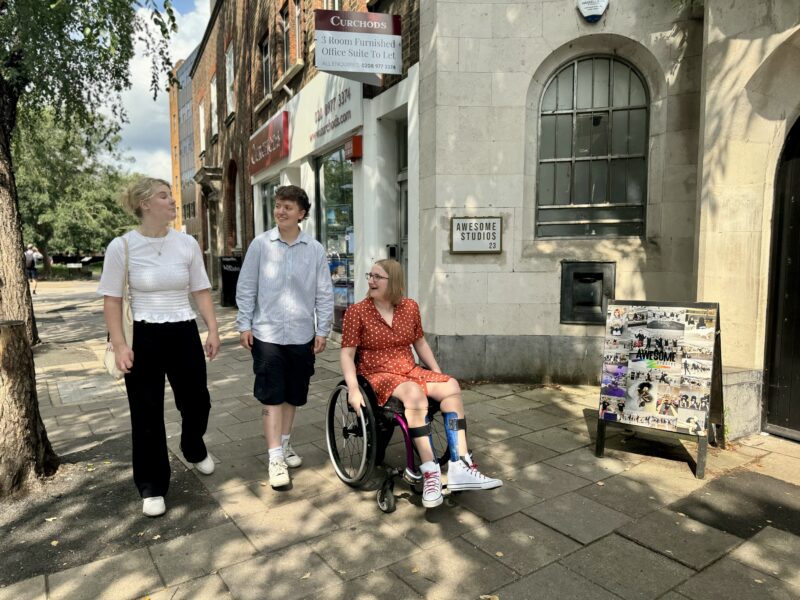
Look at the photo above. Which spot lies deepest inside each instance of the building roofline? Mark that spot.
(201, 48)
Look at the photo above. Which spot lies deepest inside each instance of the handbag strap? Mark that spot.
(125, 291)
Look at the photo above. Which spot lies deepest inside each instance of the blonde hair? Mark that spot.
(140, 190)
(396, 284)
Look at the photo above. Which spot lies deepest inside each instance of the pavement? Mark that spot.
(635, 524)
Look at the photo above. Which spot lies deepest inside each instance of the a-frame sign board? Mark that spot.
(662, 373)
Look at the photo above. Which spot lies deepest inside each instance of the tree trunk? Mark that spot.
(15, 296)
(24, 447)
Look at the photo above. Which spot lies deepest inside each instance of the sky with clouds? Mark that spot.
(145, 138)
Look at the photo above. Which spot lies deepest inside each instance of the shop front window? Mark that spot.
(335, 179)
(268, 202)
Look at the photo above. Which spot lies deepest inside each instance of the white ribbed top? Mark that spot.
(159, 285)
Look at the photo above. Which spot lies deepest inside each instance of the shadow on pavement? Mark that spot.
(743, 503)
(90, 509)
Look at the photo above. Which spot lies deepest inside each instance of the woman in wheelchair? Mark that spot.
(377, 335)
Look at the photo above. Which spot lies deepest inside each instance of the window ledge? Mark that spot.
(263, 104)
(230, 118)
(286, 77)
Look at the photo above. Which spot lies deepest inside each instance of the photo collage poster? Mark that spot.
(657, 366)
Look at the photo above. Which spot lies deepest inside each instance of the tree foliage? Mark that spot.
(67, 195)
(75, 55)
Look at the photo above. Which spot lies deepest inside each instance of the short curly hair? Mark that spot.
(297, 195)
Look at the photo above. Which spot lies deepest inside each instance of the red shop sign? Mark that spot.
(270, 144)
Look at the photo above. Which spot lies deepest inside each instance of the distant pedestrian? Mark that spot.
(164, 267)
(285, 300)
(32, 258)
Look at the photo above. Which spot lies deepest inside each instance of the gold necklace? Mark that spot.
(152, 245)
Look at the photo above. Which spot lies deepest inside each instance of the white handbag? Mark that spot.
(127, 322)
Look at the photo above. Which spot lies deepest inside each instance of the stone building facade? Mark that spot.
(652, 150)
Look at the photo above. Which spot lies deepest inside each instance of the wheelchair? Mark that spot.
(357, 442)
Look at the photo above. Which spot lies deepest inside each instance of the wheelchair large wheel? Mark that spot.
(351, 437)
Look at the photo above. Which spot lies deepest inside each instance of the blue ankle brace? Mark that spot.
(451, 430)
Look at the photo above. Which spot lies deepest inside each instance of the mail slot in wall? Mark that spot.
(585, 290)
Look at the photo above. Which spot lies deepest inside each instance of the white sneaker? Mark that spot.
(431, 484)
(205, 466)
(278, 473)
(154, 506)
(290, 456)
(463, 474)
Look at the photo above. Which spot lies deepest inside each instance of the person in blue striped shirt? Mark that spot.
(285, 300)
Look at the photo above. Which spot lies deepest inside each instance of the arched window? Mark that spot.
(592, 176)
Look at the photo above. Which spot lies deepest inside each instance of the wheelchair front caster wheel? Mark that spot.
(386, 500)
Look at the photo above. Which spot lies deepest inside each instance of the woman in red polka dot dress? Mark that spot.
(377, 336)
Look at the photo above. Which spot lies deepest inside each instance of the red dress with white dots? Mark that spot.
(384, 354)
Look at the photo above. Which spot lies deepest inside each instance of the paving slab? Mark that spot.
(305, 484)
(379, 585)
(356, 550)
(496, 390)
(779, 466)
(427, 528)
(210, 586)
(497, 503)
(126, 575)
(234, 473)
(536, 419)
(285, 525)
(494, 428)
(770, 443)
(292, 573)
(545, 394)
(547, 481)
(728, 578)
(460, 571)
(239, 448)
(584, 463)
(634, 498)
(201, 553)
(774, 552)
(521, 543)
(514, 403)
(554, 581)
(516, 453)
(239, 501)
(673, 534)
(558, 438)
(27, 589)
(627, 569)
(471, 396)
(578, 517)
(346, 506)
(570, 410)
(90, 509)
(743, 503)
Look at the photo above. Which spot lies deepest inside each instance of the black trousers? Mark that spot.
(174, 350)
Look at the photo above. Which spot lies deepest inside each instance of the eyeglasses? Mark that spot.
(374, 276)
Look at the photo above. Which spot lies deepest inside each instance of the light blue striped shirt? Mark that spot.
(285, 294)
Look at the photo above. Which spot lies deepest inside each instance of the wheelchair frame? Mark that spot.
(369, 434)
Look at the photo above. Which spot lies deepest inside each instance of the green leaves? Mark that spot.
(67, 197)
(76, 55)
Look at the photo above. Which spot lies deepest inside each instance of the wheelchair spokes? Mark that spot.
(350, 438)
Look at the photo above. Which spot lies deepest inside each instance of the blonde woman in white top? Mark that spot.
(164, 267)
